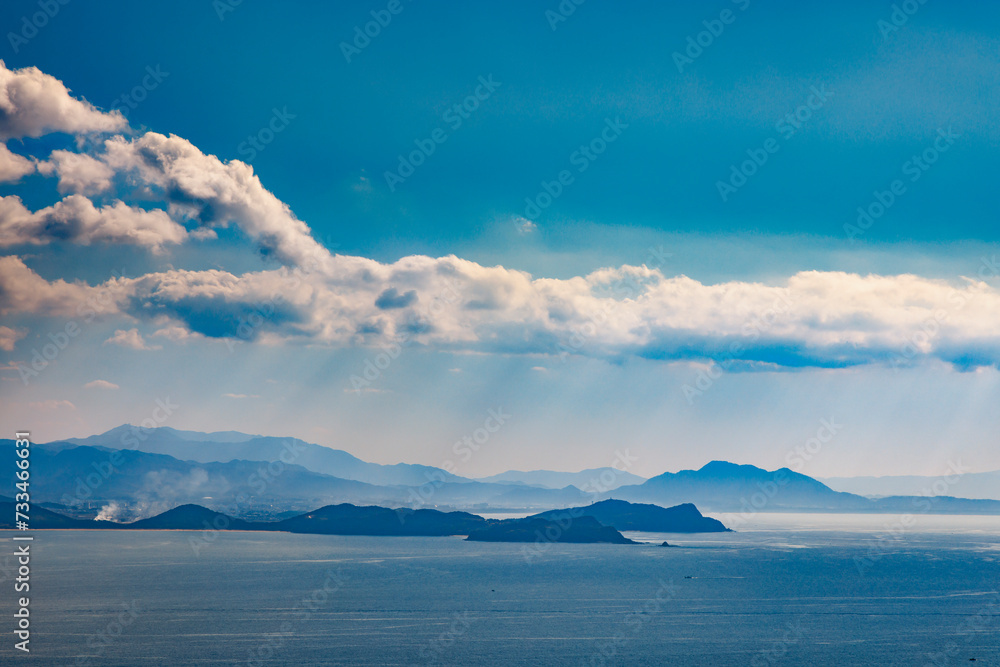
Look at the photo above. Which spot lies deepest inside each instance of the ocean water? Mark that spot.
(784, 590)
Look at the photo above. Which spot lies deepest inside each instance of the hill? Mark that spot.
(347, 519)
(227, 446)
(194, 517)
(624, 515)
(580, 530)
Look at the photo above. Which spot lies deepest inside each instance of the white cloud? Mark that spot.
(24, 291)
(33, 103)
(13, 166)
(76, 219)
(240, 396)
(130, 338)
(215, 193)
(9, 336)
(177, 334)
(524, 226)
(78, 172)
(811, 318)
(101, 384)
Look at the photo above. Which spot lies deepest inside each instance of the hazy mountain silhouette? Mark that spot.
(347, 519)
(605, 479)
(981, 485)
(583, 529)
(624, 515)
(280, 480)
(728, 487)
(40, 518)
(194, 517)
(230, 445)
(71, 474)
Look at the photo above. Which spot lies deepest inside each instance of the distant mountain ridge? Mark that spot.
(975, 485)
(721, 486)
(603, 479)
(345, 519)
(227, 446)
(282, 475)
(78, 476)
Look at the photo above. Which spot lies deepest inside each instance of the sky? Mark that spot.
(763, 232)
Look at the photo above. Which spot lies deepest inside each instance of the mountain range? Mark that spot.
(131, 472)
(567, 525)
(981, 485)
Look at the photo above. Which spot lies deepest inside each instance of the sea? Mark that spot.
(784, 589)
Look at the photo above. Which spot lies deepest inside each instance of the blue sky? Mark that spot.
(902, 352)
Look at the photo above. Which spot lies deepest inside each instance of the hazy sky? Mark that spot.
(692, 231)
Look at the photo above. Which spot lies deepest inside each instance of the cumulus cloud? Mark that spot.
(190, 185)
(13, 166)
(524, 226)
(130, 338)
(24, 291)
(391, 298)
(101, 384)
(812, 319)
(214, 193)
(33, 103)
(76, 219)
(10, 336)
(825, 319)
(177, 334)
(78, 172)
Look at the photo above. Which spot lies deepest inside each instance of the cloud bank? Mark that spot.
(161, 193)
